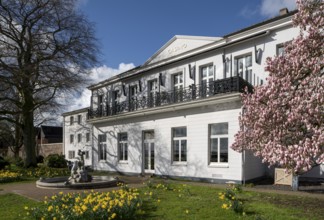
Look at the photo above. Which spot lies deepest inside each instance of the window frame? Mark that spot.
(122, 146)
(79, 119)
(71, 120)
(247, 71)
(79, 138)
(87, 137)
(179, 85)
(211, 136)
(102, 146)
(71, 138)
(278, 47)
(71, 154)
(179, 140)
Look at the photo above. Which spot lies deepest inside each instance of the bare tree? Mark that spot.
(47, 47)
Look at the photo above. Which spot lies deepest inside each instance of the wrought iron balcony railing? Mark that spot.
(193, 92)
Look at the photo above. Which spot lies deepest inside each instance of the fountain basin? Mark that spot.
(60, 183)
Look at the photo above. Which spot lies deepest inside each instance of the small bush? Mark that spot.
(40, 159)
(19, 162)
(3, 163)
(231, 200)
(55, 161)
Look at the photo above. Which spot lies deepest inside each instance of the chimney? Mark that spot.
(283, 11)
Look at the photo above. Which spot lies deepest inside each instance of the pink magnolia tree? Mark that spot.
(283, 121)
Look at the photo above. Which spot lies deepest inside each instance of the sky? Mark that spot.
(129, 32)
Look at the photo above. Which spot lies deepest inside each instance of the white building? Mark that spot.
(77, 135)
(177, 114)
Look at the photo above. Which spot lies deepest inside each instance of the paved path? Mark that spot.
(29, 189)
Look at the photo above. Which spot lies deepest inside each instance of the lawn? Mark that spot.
(175, 200)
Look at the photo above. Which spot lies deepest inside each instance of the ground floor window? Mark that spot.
(102, 147)
(218, 143)
(122, 147)
(179, 144)
(71, 154)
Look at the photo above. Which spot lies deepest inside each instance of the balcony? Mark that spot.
(164, 98)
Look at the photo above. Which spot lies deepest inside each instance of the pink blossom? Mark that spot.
(283, 121)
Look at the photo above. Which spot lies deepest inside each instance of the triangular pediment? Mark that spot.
(178, 45)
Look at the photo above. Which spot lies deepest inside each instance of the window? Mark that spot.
(243, 67)
(177, 81)
(71, 138)
(179, 144)
(79, 138)
(79, 119)
(280, 50)
(177, 87)
(206, 80)
(71, 154)
(71, 120)
(218, 143)
(86, 155)
(133, 92)
(87, 137)
(122, 147)
(152, 89)
(102, 146)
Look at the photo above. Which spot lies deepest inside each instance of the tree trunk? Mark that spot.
(295, 182)
(29, 138)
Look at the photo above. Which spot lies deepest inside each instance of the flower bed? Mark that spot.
(8, 176)
(118, 204)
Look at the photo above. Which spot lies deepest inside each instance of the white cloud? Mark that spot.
(82, 100)
(270, 8)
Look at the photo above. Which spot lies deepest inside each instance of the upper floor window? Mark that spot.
(79, 119)
(133, 91)
(79, 138)
(152, 89)
(152, 86)
(280, 49)
(102, 146)
(122, 147)
(218, 143)
(243, 67)
(206, 74)
(71, 120)
(87, 137)
(177, 81)
(71, 138)
(179, 144)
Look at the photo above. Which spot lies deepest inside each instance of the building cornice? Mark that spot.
(82, 110)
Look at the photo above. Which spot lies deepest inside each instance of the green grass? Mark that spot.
(12, 206)
(203, 203)
(198, 202)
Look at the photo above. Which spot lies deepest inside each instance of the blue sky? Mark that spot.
(131, 31)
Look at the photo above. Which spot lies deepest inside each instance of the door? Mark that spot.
(148, 151)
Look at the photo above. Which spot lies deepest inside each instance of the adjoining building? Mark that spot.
(77, 135)
(176, 115)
